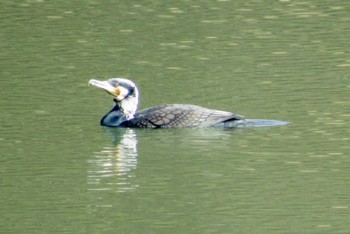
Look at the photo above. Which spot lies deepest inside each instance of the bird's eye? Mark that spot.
(117, 91)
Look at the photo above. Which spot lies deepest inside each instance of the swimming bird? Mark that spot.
(124, 112)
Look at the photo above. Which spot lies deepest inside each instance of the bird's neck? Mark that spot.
(121, 111)
(128, 107)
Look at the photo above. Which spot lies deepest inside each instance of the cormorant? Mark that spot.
(124, 112)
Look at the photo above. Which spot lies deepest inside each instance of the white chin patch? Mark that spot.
(123, 93)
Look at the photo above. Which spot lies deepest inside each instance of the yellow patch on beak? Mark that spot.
(120, 93)
(117, 91)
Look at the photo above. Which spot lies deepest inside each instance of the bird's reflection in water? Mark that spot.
(113, 167)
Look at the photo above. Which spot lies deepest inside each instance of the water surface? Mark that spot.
(284, 60)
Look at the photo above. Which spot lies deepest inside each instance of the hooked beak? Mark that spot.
(118, 92)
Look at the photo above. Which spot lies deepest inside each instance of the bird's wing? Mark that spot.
(180, 116)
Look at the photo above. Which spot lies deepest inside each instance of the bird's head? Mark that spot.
(119, 88)
(124, 91)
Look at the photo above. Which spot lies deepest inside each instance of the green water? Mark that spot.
(286, 60)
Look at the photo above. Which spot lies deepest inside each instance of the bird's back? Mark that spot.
(180, 116)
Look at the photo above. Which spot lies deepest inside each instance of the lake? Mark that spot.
(283, 60)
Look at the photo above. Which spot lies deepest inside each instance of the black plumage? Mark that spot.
(180, 116)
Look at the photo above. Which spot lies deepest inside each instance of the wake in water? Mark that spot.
(255, 123)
